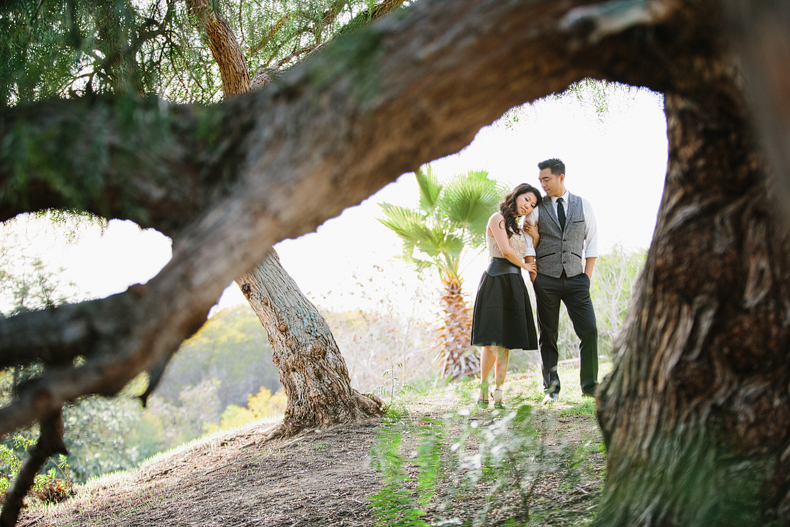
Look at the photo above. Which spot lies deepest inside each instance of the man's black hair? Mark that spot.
(557, 167)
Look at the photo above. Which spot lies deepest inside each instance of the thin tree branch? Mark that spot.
(273, 29)
(328, 17)
(241, 25)
(50, 442)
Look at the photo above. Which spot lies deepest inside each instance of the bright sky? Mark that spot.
(617, 162)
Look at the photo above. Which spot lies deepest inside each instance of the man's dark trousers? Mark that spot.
(575, 294)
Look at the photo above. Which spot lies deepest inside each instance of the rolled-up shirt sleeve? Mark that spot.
(590, 231)
(532, 217)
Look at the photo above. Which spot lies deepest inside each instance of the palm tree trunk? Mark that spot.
(455, 335)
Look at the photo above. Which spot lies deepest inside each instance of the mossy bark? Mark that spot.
(696, 414)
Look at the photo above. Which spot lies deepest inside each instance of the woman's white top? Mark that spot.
(521, 242)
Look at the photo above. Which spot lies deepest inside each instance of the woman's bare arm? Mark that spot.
(496, 224)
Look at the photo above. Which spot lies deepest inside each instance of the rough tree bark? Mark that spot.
(310, 365)
(696, 413)
(312, 370)
(454, 347)
(224, 48)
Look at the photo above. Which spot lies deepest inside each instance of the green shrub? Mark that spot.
(47, 487)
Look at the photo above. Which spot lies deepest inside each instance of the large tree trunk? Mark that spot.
(224, 48)
(696, 414)
(312, 370)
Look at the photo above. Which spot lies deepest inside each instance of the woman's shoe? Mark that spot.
(483, 403)
(498, 404)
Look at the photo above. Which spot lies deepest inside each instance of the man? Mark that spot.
(568, 231)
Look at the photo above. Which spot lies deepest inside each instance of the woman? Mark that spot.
(502, 317)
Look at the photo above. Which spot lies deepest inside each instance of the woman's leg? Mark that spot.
(502, 360)
(487, 360)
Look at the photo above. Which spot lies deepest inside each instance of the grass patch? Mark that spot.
(586, 407)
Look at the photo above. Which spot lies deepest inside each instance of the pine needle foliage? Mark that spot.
(62, 48)
(450, 221)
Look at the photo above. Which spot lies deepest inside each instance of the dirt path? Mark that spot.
(321, 478)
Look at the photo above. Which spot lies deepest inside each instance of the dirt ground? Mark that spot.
(322, 478)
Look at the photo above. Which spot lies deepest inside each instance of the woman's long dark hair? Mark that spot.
(508, 207)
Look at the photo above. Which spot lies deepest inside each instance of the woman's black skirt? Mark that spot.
(503, 314)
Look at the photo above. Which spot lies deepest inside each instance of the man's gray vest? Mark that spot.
(557, 250)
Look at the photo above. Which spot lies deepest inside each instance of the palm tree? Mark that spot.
(451, 220)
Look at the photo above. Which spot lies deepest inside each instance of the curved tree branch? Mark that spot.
(272, 164)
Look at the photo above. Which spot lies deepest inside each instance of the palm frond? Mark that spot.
(432, 241)
(401, 220)
(479, 174)
(411, 228)
(449, 242)
(421, 265)
(430, 189)
(469, 200)
(475, 242)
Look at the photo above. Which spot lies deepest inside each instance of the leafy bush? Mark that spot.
(98, 435)
(165, 424)
(47, 487)
(264, 404)
(232, 347)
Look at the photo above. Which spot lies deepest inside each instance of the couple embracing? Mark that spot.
(556, 231)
